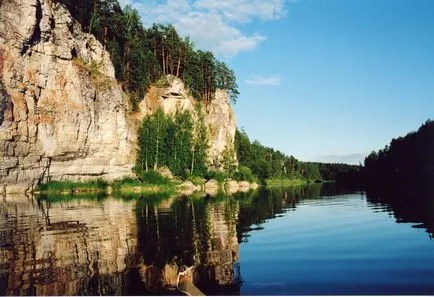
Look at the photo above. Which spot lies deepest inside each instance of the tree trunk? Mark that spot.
(179, 65)
(192, 162)
(146, 149)
(164, 60)
(105, 37)
(157, 146)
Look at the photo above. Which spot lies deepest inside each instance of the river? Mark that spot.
(317, 239)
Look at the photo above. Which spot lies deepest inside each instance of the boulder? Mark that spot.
(212, 184)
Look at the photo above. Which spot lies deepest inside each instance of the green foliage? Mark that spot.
(196, 180)
(98, 185)
(285, 182)
(175, 142)
(126, 181)
(152, 177)
(163, 82)
(408, 158)
(344, 173)
(142, 56)
(265, 162)
(228, 158)
(244, 174)
(273, 166)
(219, 176)
(200, 144)
(93, 69)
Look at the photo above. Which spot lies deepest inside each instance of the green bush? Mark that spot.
(196, 180)
(100, 183)
(152, 177)
(71, 186)
(162, 82)
(117, 184)
(219, 176)
(244, 173)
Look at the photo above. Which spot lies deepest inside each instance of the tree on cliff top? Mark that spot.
(141, 56)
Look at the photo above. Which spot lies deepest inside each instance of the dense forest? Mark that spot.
(143, 56)
(177, 142)
(266, 162)
(409, 158)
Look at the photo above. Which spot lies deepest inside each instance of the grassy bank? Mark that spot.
(151, 182)
(272, 182)
(128, 186)
(124, 186)
(70, 187)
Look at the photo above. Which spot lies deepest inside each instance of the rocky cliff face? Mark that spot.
(218, 115)
(62, 114)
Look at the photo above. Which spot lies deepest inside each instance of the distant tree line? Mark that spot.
(409, 158)
(266, 162)
(350, 175)
(142, 56)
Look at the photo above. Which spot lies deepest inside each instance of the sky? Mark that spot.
(322, 80)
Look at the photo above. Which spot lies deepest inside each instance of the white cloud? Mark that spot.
(260, 80)
(245, 10)
(216, 35)
(212, 25)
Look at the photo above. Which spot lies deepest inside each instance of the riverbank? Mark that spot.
(277, 182)
(129, 186)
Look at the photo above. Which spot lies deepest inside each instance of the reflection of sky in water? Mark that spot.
(337, 246)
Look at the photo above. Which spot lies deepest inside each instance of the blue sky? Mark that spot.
(322, 80)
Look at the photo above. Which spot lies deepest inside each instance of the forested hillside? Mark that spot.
(266, 162)
(142, 56)
(409, 158)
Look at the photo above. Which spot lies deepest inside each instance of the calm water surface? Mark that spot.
(285, 241)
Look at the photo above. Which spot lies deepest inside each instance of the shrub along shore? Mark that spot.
(149, 183)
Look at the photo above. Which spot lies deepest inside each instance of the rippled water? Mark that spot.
(308, 240)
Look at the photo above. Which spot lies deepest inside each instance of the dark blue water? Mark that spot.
(337, 245)
(282, 241)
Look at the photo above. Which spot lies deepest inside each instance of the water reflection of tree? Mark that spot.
(186, 232)
(410, 203)
(265, 204)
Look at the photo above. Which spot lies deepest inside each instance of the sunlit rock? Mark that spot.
(60, 121)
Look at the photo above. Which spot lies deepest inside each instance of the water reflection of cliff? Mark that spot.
(77, 247)
(116, 247)
(137, 246)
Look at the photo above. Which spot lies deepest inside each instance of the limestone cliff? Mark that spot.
(63, 115)
(218, 114)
